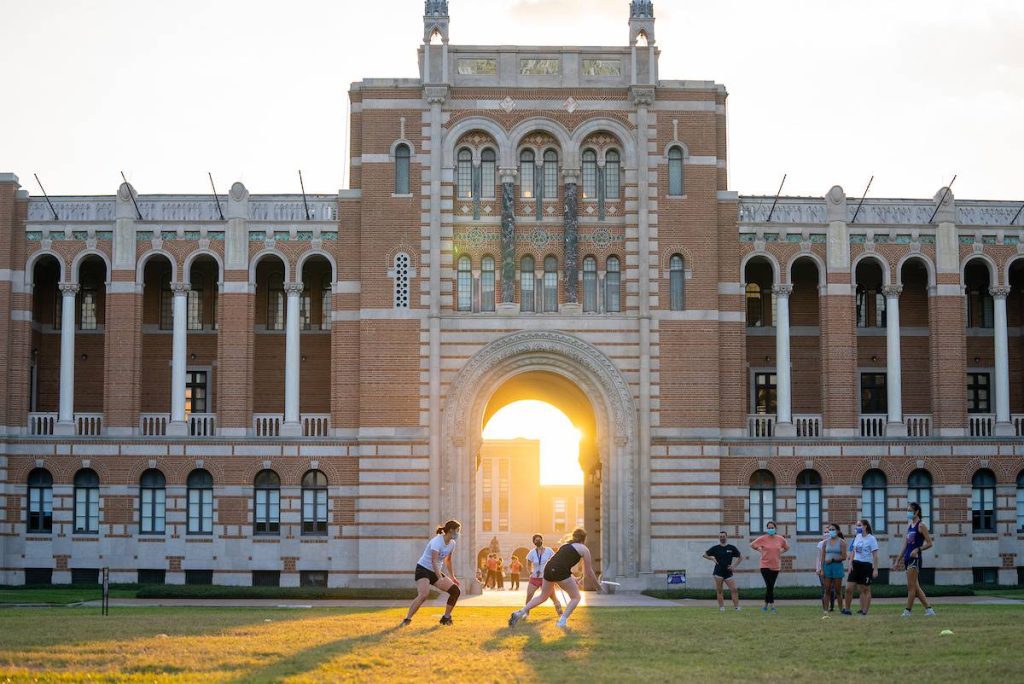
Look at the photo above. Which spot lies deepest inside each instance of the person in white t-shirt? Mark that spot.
(863, 568)
(536, 560)
(430, 571)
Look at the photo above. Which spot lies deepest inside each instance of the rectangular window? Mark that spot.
(550, 292)
(611, 181)
(1020, 510)
(40, 509)
(980, 309)
(983, 509)
(808, 511)
(487, 290)
(305, 310)
(675, 177)
(313, 578)
(87, 510)
(199, 577)
(765, 393)
(314, 511)
(465, 291)
(89, 314)
(526, 292)
(196, 384)
(872, 508)
(613, 290)
(762, 509)
(590, 291)
(166, 309)
(200, 511)
(152, 577)
(195, 309)
(589, 180)
(268, 511)
(87, 576)
(38, 576)
(266, 578)
(487, 496)
(873, 398)
(275, 310)
(153, 513)
(551, 180)
(488, 179)
(504, 486)
(526, 179)
(979, 393)
(985, 575)
(870, 309)
(326, 306)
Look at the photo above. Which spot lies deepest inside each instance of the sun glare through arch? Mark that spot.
(559, 439)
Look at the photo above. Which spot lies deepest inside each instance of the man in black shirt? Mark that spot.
(724, 554)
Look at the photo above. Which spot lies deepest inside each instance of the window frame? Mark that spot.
(878, 497)
(589, 284)
(39, 508)
(550, 283)
(403, 168)
(589, 175)
(266, 494)
(612, 175)
(199, 508)
(677, 282)
(921, 493)
(764, 483)
(326, 302)
(676, 177)
(464, 174)
(613, 285)
(464, 283)
(880, 397)
(974, 389)
(276, 315)
(315, 489)
(550, 165)
(527, 284)
(1020, 503)
(771, 389)
(488, 284)
(488, 173)
(152, 512)
(984, 512)
(527, 174)
(87, 497)
(808, 484)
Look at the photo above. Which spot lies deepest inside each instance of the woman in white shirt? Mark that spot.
(429, 571)
(536, 560)
(863, 568)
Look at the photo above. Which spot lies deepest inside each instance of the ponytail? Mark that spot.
(449, 526)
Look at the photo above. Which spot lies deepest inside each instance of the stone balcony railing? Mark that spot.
(45, 423)
(763, 425)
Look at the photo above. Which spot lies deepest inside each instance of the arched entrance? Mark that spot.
(571, 373)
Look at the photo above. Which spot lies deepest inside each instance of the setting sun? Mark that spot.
(559, 439)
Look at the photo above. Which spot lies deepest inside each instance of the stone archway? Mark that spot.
(453, 493)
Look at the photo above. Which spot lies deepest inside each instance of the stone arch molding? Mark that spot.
(615, 416)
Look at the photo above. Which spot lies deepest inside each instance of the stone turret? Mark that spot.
(641, 21)
(435, 20)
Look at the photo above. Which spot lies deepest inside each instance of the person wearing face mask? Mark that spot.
(831, 563)
(724, 554)
(917, 542)
(429, 571)
(864, 567)
(771, 546)
(536, 560)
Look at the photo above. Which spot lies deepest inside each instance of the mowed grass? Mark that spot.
(606, 644)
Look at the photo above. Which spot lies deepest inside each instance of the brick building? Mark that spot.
(277, 388)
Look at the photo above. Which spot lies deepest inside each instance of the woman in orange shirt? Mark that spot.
(771, 546)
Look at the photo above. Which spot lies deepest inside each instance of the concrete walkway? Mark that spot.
(512, 600)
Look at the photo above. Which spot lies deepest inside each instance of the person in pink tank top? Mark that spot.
(771, 546)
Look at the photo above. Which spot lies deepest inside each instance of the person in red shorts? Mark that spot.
(536, 560)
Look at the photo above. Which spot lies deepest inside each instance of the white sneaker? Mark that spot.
(930, 612)
(906, 613)
(739, 607)
(562, 624)
(514, 618)
(721, 609)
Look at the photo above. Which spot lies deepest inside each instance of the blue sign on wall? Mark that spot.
(676, 577)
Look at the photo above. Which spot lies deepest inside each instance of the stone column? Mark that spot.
(841, 390)
(894, 366)
(235, 312)
(571, 237)
(66, 409)
(178, 426)
(946, 323)
(508, 241)
(1004, 428)
(292, 427)
(784, 398)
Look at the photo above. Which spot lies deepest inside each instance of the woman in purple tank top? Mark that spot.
(917, 542)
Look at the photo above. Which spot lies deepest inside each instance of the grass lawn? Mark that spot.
(607, 644)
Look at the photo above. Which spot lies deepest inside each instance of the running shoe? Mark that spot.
(764, 609)
(906, 613)
(446, 620)
(844, 611)
(739, 607)
(405, 623)
(862, 613)
(562, 624)
(929, 612)
(721, 609)
(773, 609)
(515, 617)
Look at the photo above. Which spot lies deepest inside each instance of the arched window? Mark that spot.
(1020, 503)
(550, 284)
(488, 173)
(40, 501)
(487, 284)
(465, 174)
(275, 301)
(152, 502)
(326, 302)
(464, 284)
(919, 490)
(267, 506)
(983, 501)
(590, 284)
(87, 502)
(589, 174)
(550, 174)
(677, 283)
(873, 500)
(675, 171)
(314, 503)
(611, 175)
(166, 303)
(200, 502)
(527, 278)
(195, 304)
(808, 502)
(762, 500)
(402, 157)
(527, 169)
(613, 286)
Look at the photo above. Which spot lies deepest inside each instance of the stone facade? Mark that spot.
(552, 222)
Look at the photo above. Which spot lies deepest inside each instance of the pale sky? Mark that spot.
(830, 91)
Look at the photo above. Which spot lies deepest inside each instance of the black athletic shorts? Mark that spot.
(724, 573)
(913, 563)
(556, 574)
(422, 572)
(860, 573)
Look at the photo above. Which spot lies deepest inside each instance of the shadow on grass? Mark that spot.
(551, 659)
(307, 661)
